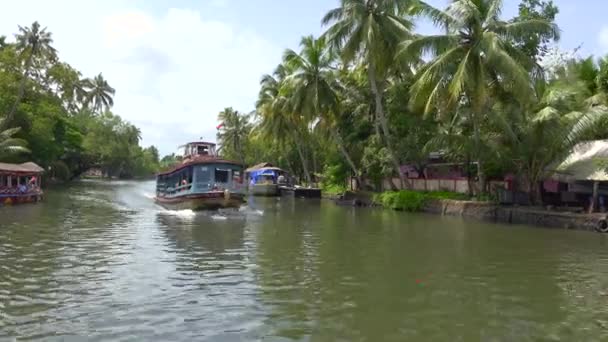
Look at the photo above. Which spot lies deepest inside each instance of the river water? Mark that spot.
(99, 261)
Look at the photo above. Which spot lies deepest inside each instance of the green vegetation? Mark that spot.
(371, 94)
(53, 116)
(413, 201)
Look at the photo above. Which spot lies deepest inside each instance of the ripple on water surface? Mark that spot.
(100, 261)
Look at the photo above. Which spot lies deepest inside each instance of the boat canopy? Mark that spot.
(273, 172)
(20, 169)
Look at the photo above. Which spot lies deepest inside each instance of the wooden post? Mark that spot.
(596, 186)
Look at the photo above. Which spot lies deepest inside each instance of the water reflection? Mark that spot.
(100, 261)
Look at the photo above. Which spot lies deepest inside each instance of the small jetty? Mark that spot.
(20, 183)
(300, 192)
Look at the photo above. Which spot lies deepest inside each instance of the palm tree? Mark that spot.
(32, 43)
(473, 57)
(8, 143)
(543, 132)
(234, 131)
(98, 93)
(372, 30)
(315, 89)
(278, 121)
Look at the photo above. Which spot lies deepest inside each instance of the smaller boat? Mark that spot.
(20, 183)
(201, 181)
(265, 179)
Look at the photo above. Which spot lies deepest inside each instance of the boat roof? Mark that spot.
(260, 166)
(199, 143)
(28, 167)
(198, 160)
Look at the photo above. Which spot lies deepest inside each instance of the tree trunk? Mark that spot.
(593, 206)
(480, 172)
(348, 158)
(468, 165)
(21, 92)
(240, 151)
(384, 122)
(302, 157)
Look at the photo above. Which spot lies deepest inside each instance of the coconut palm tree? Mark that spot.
(474, 57)
(537, 135)
(99, 93)
(278, 121)
(315, 89)
(32, 43)
(234, 131)
(8, 143)
(371, 30)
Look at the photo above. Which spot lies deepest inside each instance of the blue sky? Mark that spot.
(176, 64)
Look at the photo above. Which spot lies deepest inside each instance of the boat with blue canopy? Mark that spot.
(265, 179)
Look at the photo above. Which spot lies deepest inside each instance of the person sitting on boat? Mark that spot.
(32, 183)
(22, 188)
(184, 183)
(281, 179)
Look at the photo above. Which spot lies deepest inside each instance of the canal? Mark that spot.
(99, 261)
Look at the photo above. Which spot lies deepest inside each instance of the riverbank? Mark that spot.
(449, 204)
(491, 212)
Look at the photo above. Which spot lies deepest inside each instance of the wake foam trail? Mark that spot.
(187, 213)
(148, 195)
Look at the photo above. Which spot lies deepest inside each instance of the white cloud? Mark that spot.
(603, 39)
(173, 72)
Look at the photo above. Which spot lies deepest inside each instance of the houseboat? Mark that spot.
(201, 181)
(20, 183)
(265, 179)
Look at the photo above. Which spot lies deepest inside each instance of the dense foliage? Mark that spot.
(371, 94)
(53, 116)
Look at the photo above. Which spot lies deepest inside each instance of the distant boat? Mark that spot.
(263, 179)
(20, 183)
(201, 181)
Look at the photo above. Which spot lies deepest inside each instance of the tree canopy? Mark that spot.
(51, 115)
(370, 95)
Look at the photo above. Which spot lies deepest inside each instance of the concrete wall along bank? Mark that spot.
(517, 215)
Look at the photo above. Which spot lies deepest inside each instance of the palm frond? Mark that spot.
(440, 18)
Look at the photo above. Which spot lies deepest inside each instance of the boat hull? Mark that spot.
(12, 199)
(264, 190)
(204, 201)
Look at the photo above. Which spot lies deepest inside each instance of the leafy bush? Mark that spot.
(333, 189)
(413, 200)
(447, 195)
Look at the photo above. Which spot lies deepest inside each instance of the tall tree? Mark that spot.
(279, 123)
(315, 88)
(535, 45)
(372, 30)
(32, 43)
(98, 93)
(473, 58)
(233, 132)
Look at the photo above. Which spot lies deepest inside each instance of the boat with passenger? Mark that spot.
(20, 183)
(265, 179)
(202, 180)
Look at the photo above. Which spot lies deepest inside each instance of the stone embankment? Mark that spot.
(518, 215)
(491, 212)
